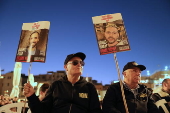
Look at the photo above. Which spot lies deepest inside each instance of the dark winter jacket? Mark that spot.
(64, 97)
(162, 99)
(141, 103)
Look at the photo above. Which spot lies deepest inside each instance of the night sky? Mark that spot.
(146, 21)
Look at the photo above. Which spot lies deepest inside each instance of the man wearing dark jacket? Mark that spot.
(162, 96)
(70, 94)
(138, 97)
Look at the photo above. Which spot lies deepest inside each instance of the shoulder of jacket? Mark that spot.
(142, 86)
(115, 85)
(89, 84)
(163, 94)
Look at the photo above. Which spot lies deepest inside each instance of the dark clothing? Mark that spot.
(64, 97)
(163, 98)
(139, 103)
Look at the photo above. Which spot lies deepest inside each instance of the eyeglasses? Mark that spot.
(75, 62)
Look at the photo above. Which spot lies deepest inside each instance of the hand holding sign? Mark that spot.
(28, 89)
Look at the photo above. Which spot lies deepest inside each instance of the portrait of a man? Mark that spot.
(111, 34)
(32, 47)
(33, 42)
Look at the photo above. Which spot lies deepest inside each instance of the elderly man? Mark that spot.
(162, 97)
(137, 96)
(70, 94)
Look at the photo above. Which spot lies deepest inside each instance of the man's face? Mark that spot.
(74, 69)
(133, 75)
(111, 34)
(34, 38)
(168, 86)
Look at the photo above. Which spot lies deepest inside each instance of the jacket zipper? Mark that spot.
(72, 97)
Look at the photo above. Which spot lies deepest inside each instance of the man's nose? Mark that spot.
(79, 64)
(111, 34)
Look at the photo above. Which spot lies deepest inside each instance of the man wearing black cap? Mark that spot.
(70, 94)
(138, 97)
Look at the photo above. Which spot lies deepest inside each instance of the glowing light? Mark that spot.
(156, 81)
(148, 73)
(144, 81)
(166, 67)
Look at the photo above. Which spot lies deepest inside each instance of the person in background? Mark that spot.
(162, 97)
(43, 91)
(137, 96)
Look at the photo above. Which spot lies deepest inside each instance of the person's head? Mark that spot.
(74, 63)
(2, 102)
(15, 99)
(166, 85)
(111, 33)
(34, 38)
(21, 100)
(43, 90)
(132, 72)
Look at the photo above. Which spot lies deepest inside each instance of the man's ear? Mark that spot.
(65, 67)
(124, 74)
(165, 84)
(40, 93)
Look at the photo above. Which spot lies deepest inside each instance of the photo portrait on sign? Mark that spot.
(111, 36)
(33, 43)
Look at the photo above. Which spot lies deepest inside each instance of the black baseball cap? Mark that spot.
(131, 65)
(70, 56)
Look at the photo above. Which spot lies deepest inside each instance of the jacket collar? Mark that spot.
(65, 79)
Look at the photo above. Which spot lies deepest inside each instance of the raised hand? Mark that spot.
(28, 89)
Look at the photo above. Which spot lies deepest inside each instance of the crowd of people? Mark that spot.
(73, 94)
(5, 99)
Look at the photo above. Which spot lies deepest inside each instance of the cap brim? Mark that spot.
(81, 55)
(141, 67)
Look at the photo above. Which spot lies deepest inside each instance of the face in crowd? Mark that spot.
(111, 34)
(74, 66)
(166, 85)
(34, 38)
(133, 75)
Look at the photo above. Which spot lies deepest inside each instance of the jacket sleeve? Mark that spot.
(45, 106)
(152, 108)
(94, 104)
(109, 101)
(156, 97)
